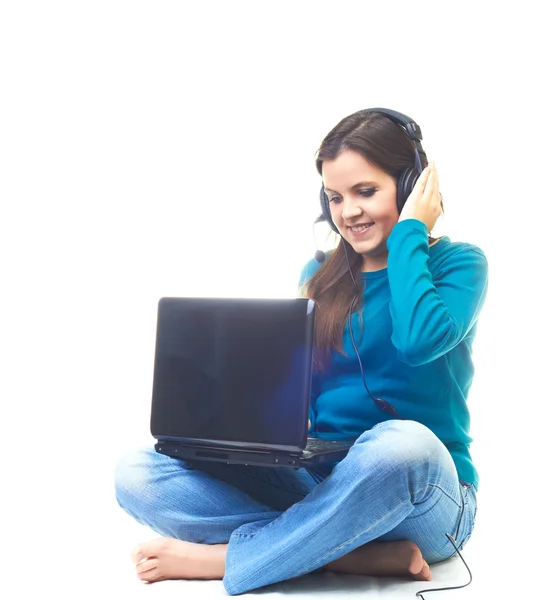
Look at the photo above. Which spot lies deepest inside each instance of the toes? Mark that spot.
(154, 579)
(149, 549)
(416, 562)
(150, 576)
(137, 554)
(424, 574)
(147, 564)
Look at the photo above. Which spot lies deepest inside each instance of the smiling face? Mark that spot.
(362, 200)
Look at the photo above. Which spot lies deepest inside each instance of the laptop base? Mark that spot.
(334, 451)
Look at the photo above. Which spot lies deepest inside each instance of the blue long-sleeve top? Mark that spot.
(420, 317)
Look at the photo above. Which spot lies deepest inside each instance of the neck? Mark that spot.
(374, 263)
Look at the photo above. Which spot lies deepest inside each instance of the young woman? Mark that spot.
(397, 313)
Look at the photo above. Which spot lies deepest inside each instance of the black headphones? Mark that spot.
(406, 180)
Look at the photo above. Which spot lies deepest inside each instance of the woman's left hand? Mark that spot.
(424, 202)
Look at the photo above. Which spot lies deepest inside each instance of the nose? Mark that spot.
(350, 209)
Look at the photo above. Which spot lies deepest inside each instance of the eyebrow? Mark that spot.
(356, 185)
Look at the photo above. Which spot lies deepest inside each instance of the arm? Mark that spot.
(431, 312)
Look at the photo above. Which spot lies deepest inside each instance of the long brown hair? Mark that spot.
(386, 145)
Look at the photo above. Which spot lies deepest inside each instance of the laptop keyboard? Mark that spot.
(319, 444)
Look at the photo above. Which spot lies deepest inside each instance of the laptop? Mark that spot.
(232, 381)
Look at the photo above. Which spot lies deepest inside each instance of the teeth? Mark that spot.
(361, 227)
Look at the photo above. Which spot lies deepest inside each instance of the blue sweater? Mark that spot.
(420, 318)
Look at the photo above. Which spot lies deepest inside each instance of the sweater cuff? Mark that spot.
(404, 228)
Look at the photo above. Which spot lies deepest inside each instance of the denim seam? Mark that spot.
(435, 485)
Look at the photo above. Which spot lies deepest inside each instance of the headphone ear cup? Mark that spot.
(324, 202)
(406, 183)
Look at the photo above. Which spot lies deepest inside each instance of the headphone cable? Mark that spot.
(420, 593)
(383, 405)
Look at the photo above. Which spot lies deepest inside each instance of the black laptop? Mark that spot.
(232, 382)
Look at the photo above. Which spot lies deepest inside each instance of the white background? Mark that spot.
(155, 149)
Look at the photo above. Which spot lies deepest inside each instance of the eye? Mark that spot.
(365, 193)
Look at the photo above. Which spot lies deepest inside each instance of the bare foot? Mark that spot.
(168, 558)
(388, 559)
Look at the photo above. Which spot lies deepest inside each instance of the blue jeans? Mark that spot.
(398, 482)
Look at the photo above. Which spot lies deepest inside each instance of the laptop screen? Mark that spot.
(234, 370)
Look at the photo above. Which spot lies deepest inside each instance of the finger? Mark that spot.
(418, 188)
(431, 190)
(436, 196)
(434, 170)
(431, 175)
(424, 174)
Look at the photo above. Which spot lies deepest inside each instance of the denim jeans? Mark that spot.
(398, 482)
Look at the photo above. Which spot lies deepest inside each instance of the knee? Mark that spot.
(403, 442)
(131, 474)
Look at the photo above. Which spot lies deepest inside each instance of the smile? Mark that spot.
(360, 230)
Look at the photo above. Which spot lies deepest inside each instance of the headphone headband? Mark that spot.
(412, 128)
